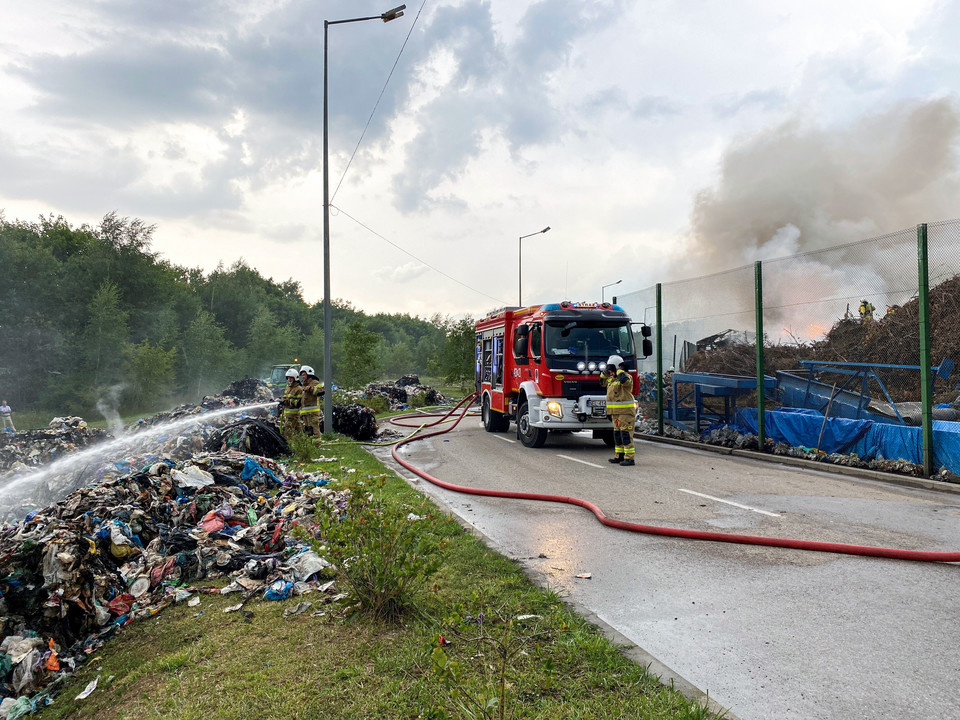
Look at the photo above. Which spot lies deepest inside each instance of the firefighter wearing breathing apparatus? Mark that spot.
(621, 408)
(290, 402)
(310, 401)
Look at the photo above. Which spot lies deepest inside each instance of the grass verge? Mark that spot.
(480, 642)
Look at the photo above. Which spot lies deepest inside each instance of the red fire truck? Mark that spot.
(540, 367)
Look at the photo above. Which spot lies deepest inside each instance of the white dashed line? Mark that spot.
(584, 462)
(729, 502)
(498, 437)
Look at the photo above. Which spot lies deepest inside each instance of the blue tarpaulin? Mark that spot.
(867, 439)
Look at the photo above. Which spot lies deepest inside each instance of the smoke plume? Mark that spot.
(800, 188)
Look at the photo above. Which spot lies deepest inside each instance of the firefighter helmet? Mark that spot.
(291, 373)
(307, 369)
(614, 361)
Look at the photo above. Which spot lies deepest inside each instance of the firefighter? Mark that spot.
(621, 408)
(310, 401)
(290, 402)
(866, 310)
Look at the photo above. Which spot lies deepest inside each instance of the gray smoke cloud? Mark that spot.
(800, 188)
(108, 405)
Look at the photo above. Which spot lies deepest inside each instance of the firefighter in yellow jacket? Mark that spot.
(310, 401)
(621, 407)
(290, 402)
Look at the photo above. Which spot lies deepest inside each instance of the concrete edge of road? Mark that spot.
(864, 473)
(630, 650)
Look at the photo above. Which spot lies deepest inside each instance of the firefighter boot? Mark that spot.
(627, 461)
(617, 460)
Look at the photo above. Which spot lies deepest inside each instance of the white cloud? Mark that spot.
(603, 120)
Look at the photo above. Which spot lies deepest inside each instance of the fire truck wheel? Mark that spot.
(532, 437)
(486, 414)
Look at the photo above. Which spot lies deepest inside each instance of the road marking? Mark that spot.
(567, 457)
(729, 502)
(504, 439)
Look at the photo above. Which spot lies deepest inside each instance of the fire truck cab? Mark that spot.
(540, 367)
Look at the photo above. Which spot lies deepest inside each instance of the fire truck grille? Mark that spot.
(572, 389)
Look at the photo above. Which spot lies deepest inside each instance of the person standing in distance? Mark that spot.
(621, 407)
(5, 416)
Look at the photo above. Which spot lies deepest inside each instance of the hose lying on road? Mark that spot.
(919, 555)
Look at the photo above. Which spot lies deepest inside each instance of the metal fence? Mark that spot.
(850, 332)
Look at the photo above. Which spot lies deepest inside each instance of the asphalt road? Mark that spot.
(768, 632)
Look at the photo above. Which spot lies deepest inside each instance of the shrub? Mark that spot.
(383, 554)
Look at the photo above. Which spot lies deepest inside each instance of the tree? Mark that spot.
(105, 336)
(359, 364)
(151, 372)
(268, 344)
(457, 360)
(208, 356)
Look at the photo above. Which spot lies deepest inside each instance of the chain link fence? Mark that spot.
(842, 338)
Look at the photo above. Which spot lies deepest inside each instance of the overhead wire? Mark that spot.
(377, 103)
(419, 260)
(357, 148)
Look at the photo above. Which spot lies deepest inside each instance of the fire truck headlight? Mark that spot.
(581, 366)
(592, 367)
(602, 366)
(555, 409)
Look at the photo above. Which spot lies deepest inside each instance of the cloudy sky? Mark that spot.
(659, 140)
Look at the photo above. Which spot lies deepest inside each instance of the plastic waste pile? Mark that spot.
(249, 435)
(125, 548)
(401, 393)
(31, 448)
(357, 421)
(249, 389)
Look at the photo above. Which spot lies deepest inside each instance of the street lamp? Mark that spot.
(520, 264)
(606, 286)
(327, 312)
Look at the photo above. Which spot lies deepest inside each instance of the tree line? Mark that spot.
(91, 312)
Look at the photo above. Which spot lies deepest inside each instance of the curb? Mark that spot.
(629, 649)
(863, 473)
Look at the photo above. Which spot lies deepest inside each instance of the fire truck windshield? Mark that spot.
(594, 341)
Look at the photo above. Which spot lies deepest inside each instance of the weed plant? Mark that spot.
(381, 555)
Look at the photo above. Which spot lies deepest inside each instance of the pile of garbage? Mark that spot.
(404, 393)
(123, 549)
(357, 421)
(249, 389)
(249, 435)
(31, 448)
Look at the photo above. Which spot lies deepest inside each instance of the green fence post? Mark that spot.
(761, 395)
(659, 364)
(926, 372)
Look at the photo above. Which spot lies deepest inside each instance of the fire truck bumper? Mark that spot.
(584, 413)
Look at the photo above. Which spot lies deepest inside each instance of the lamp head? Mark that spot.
(393, 14)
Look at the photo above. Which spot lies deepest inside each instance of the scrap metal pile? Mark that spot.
(123, 549)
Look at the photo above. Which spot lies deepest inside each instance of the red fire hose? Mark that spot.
(949, 557)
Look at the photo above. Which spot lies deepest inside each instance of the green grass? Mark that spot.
(181, 665)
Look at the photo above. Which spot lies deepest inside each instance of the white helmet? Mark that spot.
(614, 361)
(307, 369)
(291, 373)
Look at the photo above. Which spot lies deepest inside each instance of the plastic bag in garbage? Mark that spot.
(280, 590)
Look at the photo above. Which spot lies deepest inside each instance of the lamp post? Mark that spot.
(604, 287)
(327, 312)
(520, 264)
